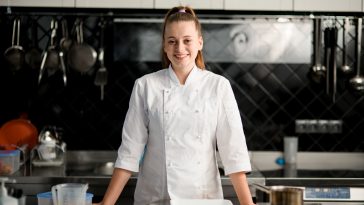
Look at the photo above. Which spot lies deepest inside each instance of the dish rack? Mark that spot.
(58, 156)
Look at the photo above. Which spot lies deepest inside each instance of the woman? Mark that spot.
(176, 118)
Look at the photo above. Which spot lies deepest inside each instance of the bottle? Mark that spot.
(4, 198)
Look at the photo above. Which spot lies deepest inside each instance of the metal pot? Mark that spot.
(282, 195)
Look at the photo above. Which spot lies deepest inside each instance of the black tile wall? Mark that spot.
(270, 95)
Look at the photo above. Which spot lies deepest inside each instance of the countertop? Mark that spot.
(95, 168)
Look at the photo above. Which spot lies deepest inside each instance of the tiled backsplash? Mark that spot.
(266, 62)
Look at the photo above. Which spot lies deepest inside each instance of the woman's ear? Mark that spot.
(200, 41)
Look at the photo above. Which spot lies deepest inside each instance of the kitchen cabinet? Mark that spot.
(328, 5)
(144, 4)
(259, 5)
(38, 3)
(206, 4)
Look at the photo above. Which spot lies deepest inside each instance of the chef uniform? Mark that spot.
(175, 129)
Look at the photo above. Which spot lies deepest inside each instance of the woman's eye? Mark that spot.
(188, 41)
(171, 42)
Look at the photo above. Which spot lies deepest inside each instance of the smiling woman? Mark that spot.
(177, 119)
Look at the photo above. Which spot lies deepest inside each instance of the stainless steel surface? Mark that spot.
(318, 71)
(281, 195)
(357, 82)
(95, 167)
(345, 68)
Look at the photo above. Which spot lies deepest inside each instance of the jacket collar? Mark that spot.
(192, 77)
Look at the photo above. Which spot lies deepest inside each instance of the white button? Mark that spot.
(198, 137)
(198, 162)
(166, 112)
(167, 91)
(197, 111)
(170, 164)
(169, 138)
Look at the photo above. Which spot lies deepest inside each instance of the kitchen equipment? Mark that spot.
(101, 74)
(69, 194)
(318, 71)
(45, 198)
(330, 38)
(63, 67)
(50, 61)
(345, 68)
(282, 195)
(9, 161)
(4, 197)
(33, 56)
(290, 149)
(327, 178)
(18, 132)
(66, 41)
(15, 54)
(200, 202)
(81, 56)
(50, 149)
(357, 82)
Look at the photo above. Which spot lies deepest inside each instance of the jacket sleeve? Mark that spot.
(135, 131)
(230, 134)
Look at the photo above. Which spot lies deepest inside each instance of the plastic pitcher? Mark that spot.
(69, 194)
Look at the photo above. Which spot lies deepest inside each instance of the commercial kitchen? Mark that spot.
(68, 67)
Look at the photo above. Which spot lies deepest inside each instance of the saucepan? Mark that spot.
(81, 56)
(282, 195)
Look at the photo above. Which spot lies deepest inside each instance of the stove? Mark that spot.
(341, 186)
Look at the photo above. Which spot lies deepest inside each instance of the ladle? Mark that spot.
(318, 71)
(345, 68)
(357, 82)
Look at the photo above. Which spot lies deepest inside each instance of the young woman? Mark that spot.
(176, 118)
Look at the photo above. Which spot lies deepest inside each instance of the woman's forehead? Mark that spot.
(181, 27)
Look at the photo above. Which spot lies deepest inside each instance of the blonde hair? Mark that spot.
(181, 13)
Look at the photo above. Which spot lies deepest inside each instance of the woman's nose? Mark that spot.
(179, 46)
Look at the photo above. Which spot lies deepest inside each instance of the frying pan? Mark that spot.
(18, 132)
(15, 54)
(81, 56)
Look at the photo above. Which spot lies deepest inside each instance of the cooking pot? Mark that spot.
(282, 195)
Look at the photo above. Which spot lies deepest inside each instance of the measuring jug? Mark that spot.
(69, 194)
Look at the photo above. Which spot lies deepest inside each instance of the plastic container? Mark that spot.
(45, 198)
(9, 161)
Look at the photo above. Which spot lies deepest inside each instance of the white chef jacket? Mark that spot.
(175, 128)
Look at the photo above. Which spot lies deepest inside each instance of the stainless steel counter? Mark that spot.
(95, 169)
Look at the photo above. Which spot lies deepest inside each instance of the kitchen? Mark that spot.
(266, 61)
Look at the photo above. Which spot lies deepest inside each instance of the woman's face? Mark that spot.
(182, 43)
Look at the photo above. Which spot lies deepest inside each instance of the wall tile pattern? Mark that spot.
(270, 95)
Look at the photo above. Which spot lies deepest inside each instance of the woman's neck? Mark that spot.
(182, 74)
